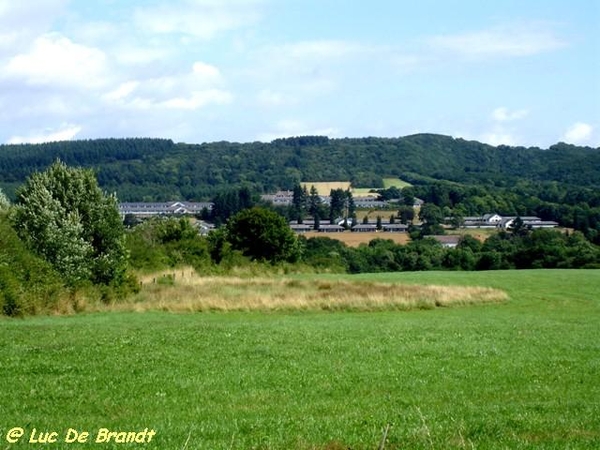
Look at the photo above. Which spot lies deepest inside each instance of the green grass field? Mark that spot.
(520, 374)
(396, 182)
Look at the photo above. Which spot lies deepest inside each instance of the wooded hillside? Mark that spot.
(159, 169)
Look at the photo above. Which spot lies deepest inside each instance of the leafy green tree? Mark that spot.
(167, 242)
(263, 235)
(324, 252)
(64, 217)
(406, 214)
(432, 217)
(469, 242)
(431, 214)
(391, 193)
(408, 196)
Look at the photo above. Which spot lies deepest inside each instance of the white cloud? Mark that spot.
(121, 92)
(270, 98)
(65, 133)
(322, 50)
(199, 99)
(206, 72)
(503, 114)
(191, 90)
(20, 21)
(54, 60)
(500, 41)
(203, 19)
(498, 138)
(289, 128)
(579, 134)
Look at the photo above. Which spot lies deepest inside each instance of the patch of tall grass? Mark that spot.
(185, 291)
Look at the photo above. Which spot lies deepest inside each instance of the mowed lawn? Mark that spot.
(521, 374)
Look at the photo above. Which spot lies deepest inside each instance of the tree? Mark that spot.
(64, 217)
(518, 228)
(432, 217)
(230, 202)
(299, 203)
(263, 235)
(4, 203)
(314, 206)
(406, 214)
(351, 205)
(337, 205)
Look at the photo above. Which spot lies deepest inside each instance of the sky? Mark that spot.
(504, 72)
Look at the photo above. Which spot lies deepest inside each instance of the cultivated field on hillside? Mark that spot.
(325, 187)
(396, 182)
(521, 373)
(352, 239)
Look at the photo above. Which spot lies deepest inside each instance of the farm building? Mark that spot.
(146, 209)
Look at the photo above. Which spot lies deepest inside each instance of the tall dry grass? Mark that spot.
(184, 291)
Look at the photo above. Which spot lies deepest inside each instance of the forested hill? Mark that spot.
(159, 169)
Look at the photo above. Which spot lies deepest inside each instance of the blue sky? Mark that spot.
(507, 72)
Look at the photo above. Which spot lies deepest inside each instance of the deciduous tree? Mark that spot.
(263, 235)
(64, 217)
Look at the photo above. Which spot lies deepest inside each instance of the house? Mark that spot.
(364, 228)
(394, 228)
(146, 209)
(282, 198)
(369, 202)
(450, 241)
(331, 228)
(301, 227)
(497, 221)
(485, 221)
(528, 222)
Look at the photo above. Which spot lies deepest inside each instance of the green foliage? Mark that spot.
(230, 202)
(341, 205)
(158, 169)
(541, 248)
(4, 202)
(263, 235)
(325, 253)
(64, 217)
(27, 283)
(162, 243)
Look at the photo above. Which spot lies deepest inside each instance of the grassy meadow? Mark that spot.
(517, 372)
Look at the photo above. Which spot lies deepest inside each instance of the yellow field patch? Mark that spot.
(196, 293)
(325, 187)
